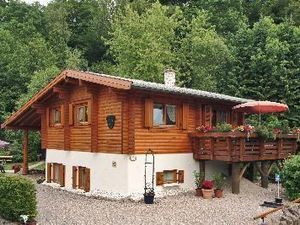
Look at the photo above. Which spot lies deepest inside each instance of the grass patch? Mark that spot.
(8, 166)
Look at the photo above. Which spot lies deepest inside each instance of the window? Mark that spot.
(81, 113)
(220, 117)
(164, 114)
(169, 177)
(56, 173)
(55, 116)
(81, 178)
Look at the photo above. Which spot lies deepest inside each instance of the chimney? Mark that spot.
(169, 77)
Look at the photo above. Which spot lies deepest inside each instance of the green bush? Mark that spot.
(291, 177)
(17, 197)
(224, 127)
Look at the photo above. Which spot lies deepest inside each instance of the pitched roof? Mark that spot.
(152, 86)
(110, 81)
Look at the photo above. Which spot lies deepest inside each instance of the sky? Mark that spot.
(42, 2)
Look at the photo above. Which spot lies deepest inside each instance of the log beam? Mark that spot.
(235, 178)
(202, 167)
(264, 174)
(264, 170)
(236, 175)
(25, 152)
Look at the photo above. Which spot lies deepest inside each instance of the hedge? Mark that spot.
(17, 197)
(291, 177)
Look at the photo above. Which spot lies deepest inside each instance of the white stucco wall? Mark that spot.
(104, 176)
(126, 178)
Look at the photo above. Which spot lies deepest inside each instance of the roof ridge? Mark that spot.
(180, 90)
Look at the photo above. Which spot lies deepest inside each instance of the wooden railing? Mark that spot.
(236, 147)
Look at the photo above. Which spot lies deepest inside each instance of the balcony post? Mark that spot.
(202, 167)
(235, 177)
(264, 174)
(25, 152)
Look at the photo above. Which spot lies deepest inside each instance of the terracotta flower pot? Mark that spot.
(199, 192)
(218, 193)
(207, 193)
(33, 222)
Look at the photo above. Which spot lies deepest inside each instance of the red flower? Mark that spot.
(277, 131)
(207, 184)
(204, 129)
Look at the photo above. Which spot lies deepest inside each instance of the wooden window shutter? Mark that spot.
(74, 177)
(240, 119)
(159, 178)
(48, 119)
(62, 175)
(180, 176)
(62, 114)
(71, 114)
(148, 113)
(234, 119)
(49, 165)
(208, 115)
(199, 116)
(185, 115)
(87, 174)
(89, 109)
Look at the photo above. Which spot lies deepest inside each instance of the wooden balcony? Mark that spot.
(237, 147)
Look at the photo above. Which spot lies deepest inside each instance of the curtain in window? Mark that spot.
(171, 113)
(158, 114)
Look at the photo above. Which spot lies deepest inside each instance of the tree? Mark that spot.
(203, 55)
(142, 44)
(266, 59)
(226, 16)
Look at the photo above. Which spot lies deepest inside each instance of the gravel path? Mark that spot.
(61, 207)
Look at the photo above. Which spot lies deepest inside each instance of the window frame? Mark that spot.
(174, 174)
(76, 108)
(164, 119)
(216, 115)
(81, 181)
(52, 110)
(177, 177)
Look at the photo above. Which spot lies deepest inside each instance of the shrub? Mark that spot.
(17, 197)
(224, 127)
(264, 132)
(291, 177)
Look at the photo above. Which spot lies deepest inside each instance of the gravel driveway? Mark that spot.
(61, 207)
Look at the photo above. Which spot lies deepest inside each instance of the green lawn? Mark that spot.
(8, 166)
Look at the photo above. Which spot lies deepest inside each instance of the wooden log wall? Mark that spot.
(129, 134)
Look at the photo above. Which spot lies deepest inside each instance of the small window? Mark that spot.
(56, 173)
(55, 117)
(164, 114)
(220, 117)
(169, 177)
(83, 174)
(81, 113)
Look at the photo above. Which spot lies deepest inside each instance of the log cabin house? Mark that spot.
(95, 129)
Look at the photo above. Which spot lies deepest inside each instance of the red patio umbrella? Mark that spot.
(260, 107)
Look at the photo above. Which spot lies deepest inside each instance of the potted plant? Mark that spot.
(219, 181)
(207, 189)
(199, 177)
(149, 196)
